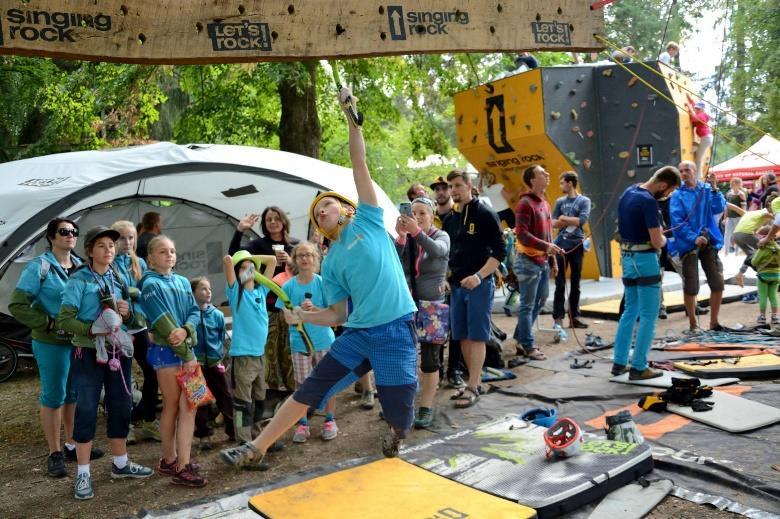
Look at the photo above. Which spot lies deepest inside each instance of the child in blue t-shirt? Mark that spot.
(250, 331)
(305, 290)
(210, 350)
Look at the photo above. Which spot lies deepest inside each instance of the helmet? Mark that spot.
(540, 416)
(563, 439)
(334, 234)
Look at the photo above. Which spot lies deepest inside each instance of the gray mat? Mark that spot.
(731, 413)
(666, 380)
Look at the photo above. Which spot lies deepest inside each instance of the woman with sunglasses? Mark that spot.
(35, 303)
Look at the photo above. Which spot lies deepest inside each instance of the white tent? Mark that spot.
(200, 191)
(761, 158)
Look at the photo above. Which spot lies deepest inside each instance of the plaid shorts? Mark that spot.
(303, 365)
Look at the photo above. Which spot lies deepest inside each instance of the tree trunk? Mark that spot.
(299, 127)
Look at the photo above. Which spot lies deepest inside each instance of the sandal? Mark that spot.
(467, 400)
(535, 354)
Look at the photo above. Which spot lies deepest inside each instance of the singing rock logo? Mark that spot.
(422, 22)
(245, 35)
(496, 124)
(48, 26)
(43, 182)
(552, 33)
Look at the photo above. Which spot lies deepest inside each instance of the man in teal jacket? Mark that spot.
(697, 239)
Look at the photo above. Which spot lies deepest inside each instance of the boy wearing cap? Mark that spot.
(361, 265)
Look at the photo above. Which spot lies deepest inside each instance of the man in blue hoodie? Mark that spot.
(697, 239)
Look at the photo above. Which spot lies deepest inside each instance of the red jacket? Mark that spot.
(533, 227)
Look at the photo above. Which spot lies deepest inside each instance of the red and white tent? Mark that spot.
(761, 158)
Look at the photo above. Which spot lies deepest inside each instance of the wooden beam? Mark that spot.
(222, 31)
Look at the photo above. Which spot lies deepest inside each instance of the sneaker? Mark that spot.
(750, 299)
(775, 319)
(618, 369)
(189, 477)
(576, 323)
(83, 487)
(165, 468)
(761, 319)
(647, 373)
(131, 470)
(455, 381)
(55, 465)
(149, 431)
(367, 401)
(662, 313)
(302, 434)
(424, 418)
(329, 430)
(94, 454)
(391, 443)
(239, 457)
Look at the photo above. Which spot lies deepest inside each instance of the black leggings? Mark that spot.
(148, 407)
(429, 357)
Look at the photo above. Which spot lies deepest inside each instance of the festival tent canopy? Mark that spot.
(761, 158)
(200, 191)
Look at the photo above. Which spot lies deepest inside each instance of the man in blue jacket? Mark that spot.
(697, 239)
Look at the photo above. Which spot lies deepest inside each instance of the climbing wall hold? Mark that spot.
(558, 85)
(607, 72)
(555, 115)
(475, 121)
(512, 119)
(573, 114)
(583, 104)
(631, 173)
(586, 163)
(460, 119)
(581, 78)
(623, 154)
(575, 129)
(573, 92)
(533, 87)
(589, 133)
(528, 127)
(673, 152)
(656, 136)
(632, 81)
(634, 105)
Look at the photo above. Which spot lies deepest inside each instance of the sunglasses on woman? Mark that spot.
(65, 232)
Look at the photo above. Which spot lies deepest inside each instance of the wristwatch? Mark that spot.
(479, 276)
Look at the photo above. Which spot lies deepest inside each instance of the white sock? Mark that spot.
(69, 446)
(83, 469)
(120, 461)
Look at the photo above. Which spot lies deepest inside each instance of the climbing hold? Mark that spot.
(604, 99)
(586, 163)
(607, 72)
(573, 114)
(611, 144)
(634, 105)
(632, 81)
(558, 85)
(629, 125)
(656, 136)
(623, 154)
(474, 140)
(555, 115)
(475, 120)
(631, 173)
(673, 152)
(460, 119)
(581, 78)
(589, 133)
(583, 104)
(512, 119)
(573, 92)
(532, 87)
(528, 127)
(575, 129)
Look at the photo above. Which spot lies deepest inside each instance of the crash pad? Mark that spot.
(632, 501)
(753, 366)
(387, 488)
(731, 413)
(666, 380)
(506, 457)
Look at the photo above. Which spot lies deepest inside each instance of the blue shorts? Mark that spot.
(54, 370)
(390, 350)
(470, 311)
(162, 357)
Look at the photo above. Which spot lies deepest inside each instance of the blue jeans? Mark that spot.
(641, 301)
(532, 281)
(89, 378)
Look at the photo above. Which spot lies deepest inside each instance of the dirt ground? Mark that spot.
(28, 492)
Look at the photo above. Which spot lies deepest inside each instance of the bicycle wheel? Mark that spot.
(8, 360)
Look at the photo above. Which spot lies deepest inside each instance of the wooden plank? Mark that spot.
(221, 31)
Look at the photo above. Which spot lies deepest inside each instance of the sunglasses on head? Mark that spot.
(65, 232)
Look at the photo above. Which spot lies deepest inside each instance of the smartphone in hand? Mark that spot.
(406, 209)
